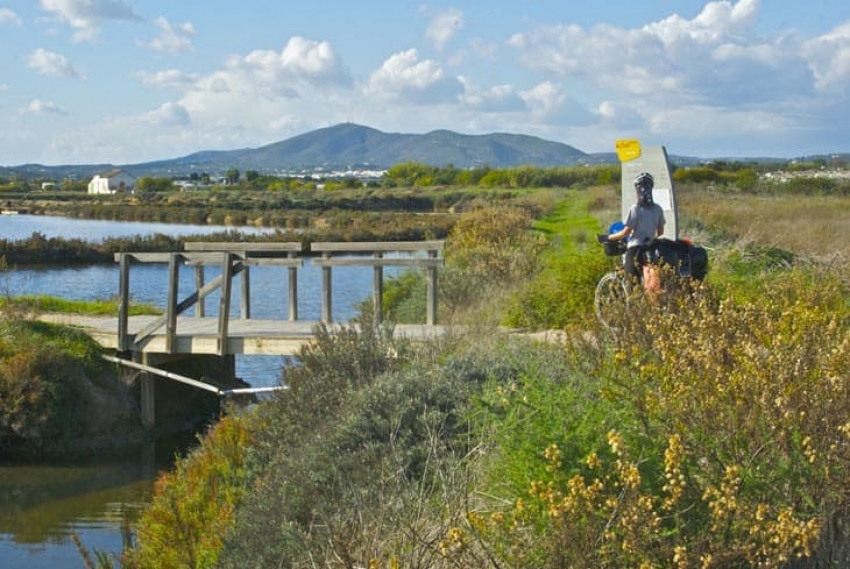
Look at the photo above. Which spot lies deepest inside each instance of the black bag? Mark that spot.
(668, 252)
(614, 248)
(698, 257)
(686, 259)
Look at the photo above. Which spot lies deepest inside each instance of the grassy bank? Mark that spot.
(56, 391)
(34, 304)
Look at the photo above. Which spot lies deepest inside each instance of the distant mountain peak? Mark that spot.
(346, 146)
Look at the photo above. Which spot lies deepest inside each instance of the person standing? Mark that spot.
(643, 224)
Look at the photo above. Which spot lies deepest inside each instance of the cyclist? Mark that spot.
(644, 223)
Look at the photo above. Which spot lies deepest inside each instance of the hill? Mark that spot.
(348, 146)
(344, 147)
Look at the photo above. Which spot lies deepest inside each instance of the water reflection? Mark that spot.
(43, 504)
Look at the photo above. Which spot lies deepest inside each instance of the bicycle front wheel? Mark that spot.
(611, 299)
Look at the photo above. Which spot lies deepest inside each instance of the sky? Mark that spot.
(127, 81)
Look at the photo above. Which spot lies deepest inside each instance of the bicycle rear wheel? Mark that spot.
(611, 299)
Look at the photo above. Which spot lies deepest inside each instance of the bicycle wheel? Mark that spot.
(611, 299)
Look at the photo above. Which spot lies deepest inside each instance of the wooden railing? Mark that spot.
(379, 261)
(233, 259)
(236, 258)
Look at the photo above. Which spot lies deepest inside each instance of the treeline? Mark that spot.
(800, 178)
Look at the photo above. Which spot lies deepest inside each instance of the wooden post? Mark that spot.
(201, 309)
(224, 307)
(293, 290)
(147, 394)
(378, 291)
(432, 291)
(246, 292)
(171, 310)
(124, 302)
(327, 292)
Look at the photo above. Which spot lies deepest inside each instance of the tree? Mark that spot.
(149, 185)
(746, 179)
(232, 175)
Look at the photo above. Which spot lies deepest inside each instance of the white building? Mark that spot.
(111, 182)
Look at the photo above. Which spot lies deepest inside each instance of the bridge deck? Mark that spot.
(200, 335)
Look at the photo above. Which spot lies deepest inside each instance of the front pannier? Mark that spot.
(614, 248)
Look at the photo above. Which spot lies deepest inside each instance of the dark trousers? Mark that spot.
(630, 263)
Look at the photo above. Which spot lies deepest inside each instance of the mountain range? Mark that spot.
(346, 147)
(350, 147)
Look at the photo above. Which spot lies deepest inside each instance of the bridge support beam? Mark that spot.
(147, 394)
(223, 368)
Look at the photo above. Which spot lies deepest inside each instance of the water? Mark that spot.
(149, 283)
(43, 505)
(14, 227)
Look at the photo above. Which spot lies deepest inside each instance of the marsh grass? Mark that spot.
(810, 226)
(29, 304)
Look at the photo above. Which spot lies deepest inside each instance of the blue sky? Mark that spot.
(126, 81)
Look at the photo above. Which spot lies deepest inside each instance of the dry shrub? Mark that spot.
(491, 250)
(810, 226)
(730, 448)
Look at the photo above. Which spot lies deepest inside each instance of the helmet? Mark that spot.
(644, 180)
(643, 185)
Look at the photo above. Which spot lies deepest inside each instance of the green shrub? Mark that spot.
(561, 294)
(342, 454)
(49, 378)
(194, 505)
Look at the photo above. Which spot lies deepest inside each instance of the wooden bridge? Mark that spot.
(147, 342)
(175, 332)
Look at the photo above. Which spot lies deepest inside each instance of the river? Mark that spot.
(42, 506)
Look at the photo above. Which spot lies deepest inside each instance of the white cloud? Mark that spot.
(168, 115)
(618, 117)
(172, 38)
(549, 104)
(167, 78)
(714, 59)
(87, 16)
(543, 98)
(828, 57)
(301, 60)
(9, 18)
(494, 99)
(443, 26)
(39, 107)
(51, 63)
(403, 77)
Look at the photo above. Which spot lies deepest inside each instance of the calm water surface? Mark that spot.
(43, 505)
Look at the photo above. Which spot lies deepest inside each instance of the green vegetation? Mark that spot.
(28, 304)
(710, 434)
(714, 436)
(50, 379)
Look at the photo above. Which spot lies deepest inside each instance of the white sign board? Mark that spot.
(652, 159)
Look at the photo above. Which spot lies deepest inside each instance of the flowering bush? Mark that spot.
(730, 446)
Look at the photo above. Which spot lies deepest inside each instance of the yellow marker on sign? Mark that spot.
(627, 149)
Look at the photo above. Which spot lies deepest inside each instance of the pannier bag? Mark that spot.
(614, 248)
(699, 261)
(687, 259)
